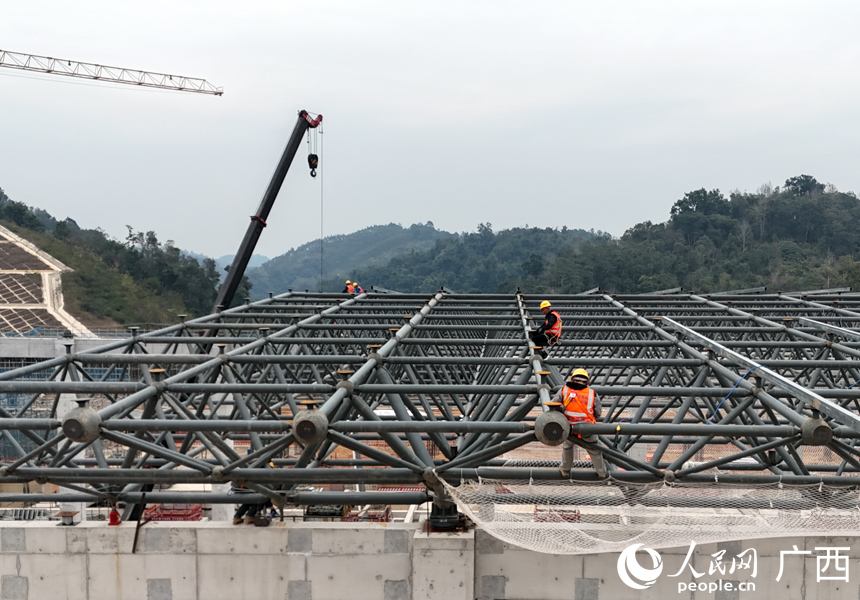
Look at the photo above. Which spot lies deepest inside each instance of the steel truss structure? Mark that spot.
(389, 394)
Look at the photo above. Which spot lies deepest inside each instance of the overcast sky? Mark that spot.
(585, 114)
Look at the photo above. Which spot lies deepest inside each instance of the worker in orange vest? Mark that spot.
(349, 289)
(548, 333)
(580, 404)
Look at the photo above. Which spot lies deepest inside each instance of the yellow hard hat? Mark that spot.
(581, 373)
(347, 281)
(544, 304)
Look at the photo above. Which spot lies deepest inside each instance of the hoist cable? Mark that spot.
(322, 173)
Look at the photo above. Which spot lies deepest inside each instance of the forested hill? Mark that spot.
(483, 261)
(135, 281)
(804, 235)
(299, 269)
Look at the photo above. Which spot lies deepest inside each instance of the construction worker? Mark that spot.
(349, 289)
(580, 404)
(548, 333)
(358, 288)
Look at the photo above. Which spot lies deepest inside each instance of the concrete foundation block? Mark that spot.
(165, 538)
(159, 589)
(52, 576)
(734, 594)
(103, 539)
(443, 566)
(13, 587)
(299, 590)
(731, 548)
(396, 590)
(604, 569)
(349, 541)
(241, 577)
(357, 576)
(76, 540)
(294, 567)
(122, 576)
(46, 540)
(12, 539)
(156, 540)
(182, 540)
(487, 544)
(299, 540)
(461, 542)
(242, 540)
(586, 588)
(549, 577)
(492, 587)
(397, 542)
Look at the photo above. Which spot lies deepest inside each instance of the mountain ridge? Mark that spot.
(805, 235)
(299, 267)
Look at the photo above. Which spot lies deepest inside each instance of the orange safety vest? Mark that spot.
(578, 405)
(350, 289)
(555, 330)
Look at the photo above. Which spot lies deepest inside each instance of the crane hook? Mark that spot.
(313, 162)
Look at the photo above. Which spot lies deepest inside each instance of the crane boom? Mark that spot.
(71, 68)
(258, 220)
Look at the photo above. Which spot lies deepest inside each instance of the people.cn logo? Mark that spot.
(633, 574)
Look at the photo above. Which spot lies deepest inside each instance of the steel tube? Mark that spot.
(301, 498)
(814, 400)
(784, 431)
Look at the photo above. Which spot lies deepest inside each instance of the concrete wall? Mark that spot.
(504, 571)
(395, 561)
(211, 561)
(47, 347)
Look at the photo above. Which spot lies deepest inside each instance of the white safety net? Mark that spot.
(571, 517)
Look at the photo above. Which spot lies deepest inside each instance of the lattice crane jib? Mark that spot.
(95, 72)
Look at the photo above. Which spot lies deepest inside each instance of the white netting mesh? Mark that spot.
(562, 517)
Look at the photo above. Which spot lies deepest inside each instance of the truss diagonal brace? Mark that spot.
(813, 400)
(840, 331)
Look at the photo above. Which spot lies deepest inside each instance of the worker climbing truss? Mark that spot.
(400, 398)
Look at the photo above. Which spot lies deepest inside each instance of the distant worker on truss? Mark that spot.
(349, 288)
(548, 333)
(580, 404)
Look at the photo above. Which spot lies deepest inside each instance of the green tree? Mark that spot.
(702, 201)
(62, 231)
(803, 185)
